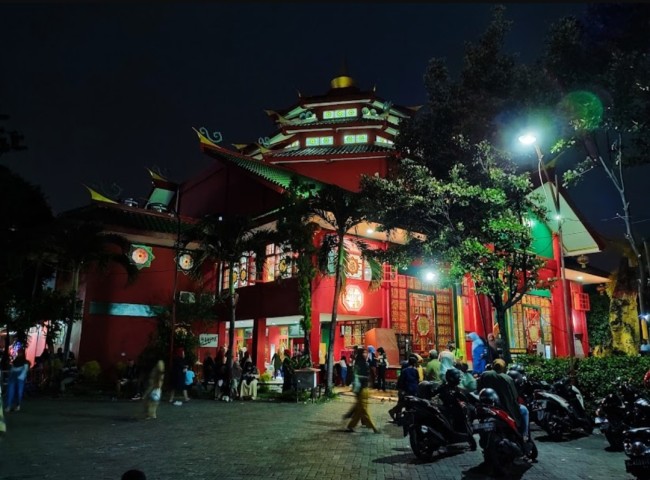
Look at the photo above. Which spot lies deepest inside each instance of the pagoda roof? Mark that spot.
(336, 150)
(131, 218)
(379, 122)
(274, 174)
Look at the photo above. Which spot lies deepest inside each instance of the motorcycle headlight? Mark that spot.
(634, 449)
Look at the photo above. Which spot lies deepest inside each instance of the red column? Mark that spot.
(558, 320)
(314, 338)
(259, 343)
(223, 336)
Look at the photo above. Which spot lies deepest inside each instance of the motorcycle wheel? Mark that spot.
(531, 449)
(422, 448)
(553, 429)
(498, 462)
(588, 426)
(615, 439)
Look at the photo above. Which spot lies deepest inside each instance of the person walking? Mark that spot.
(153, 393)
(361, 372)
(16, 383)
(287, 371)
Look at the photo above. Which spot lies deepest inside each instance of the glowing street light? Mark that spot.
(429, 275)
(530, 139)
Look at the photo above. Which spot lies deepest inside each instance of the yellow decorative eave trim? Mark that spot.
(98, 197)
(203, 139)
(156, 176)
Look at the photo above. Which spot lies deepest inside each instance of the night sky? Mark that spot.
(103, 91)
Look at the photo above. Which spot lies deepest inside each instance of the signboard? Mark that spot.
(209, 340)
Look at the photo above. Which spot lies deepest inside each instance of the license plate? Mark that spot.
(484, 427)
(637, 462)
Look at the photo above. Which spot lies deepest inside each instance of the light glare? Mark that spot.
(528, 139)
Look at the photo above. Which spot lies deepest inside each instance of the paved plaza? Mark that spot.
(72, 438)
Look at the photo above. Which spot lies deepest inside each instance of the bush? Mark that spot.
(594, 375)
(264, 378)
(90, 370)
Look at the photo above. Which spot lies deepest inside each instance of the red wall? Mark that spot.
(346, 174)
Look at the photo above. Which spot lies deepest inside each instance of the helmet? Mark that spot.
(453, 376)
(518, 368)
(489, 396)
(516, 376)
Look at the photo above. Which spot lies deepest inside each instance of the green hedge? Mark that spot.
(594, 375)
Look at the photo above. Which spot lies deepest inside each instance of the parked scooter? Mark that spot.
(432, 426)
(526, 387)
(561, 410)
(636, 444)
(621, 410)
(500, 438)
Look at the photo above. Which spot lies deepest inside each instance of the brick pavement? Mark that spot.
(72, 438)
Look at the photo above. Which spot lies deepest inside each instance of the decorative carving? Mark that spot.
(214, 137)
(264, 141)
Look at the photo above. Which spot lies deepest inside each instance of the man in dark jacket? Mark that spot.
(506, 389)
(407, 384)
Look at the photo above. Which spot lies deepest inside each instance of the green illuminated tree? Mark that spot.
(598, 72)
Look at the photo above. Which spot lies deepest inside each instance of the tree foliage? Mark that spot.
(455, 187)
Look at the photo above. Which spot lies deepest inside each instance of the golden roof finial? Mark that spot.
(344, 80)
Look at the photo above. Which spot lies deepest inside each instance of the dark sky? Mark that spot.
(102, 91)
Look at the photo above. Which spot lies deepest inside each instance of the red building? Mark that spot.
(334, 138)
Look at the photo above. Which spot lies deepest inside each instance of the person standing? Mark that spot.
(178, 375)
(432, 372)
(447, 360)
(277, 364)
(479, 353)
(287, 371)
(361, 372)
(16, 383)
(189, 382)
(382, 365)
(208, 371)
(372, 364)
(153, 393)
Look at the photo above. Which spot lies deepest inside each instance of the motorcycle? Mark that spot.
(499, 436)
(431, 426)
(636, 444)
(561, 410)
(621, 410)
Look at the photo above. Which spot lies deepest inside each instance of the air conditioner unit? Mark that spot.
(186, 297)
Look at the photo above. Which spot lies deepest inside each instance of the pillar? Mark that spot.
(558, 320)
(259, 344)
(314, 339)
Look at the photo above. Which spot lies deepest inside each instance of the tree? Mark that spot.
(228, 241)
(296, 232)
(340, 211)
(80, 247)
(10, 140)
(603, 101)
(472, 224)
(25, 219)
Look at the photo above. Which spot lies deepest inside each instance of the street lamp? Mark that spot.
(530, 139)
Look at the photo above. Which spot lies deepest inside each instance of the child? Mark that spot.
(189, 381)
(154, 390)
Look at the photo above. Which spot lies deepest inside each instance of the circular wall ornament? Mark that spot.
(185, 261)
(141, 256)
(423, 324)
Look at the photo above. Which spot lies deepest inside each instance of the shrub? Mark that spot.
(264, 378)
(91, 370)
(594, 375)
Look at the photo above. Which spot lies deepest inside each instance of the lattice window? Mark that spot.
(581, 302)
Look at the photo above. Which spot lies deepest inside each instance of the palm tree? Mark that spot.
(228, 241)
(82, 246)
(339, 211)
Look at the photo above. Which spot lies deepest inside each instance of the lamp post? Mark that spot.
(529, 139)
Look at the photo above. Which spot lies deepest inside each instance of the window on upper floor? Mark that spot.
(340, 113)
(359, 138)
(383, 140)
(316, 141)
